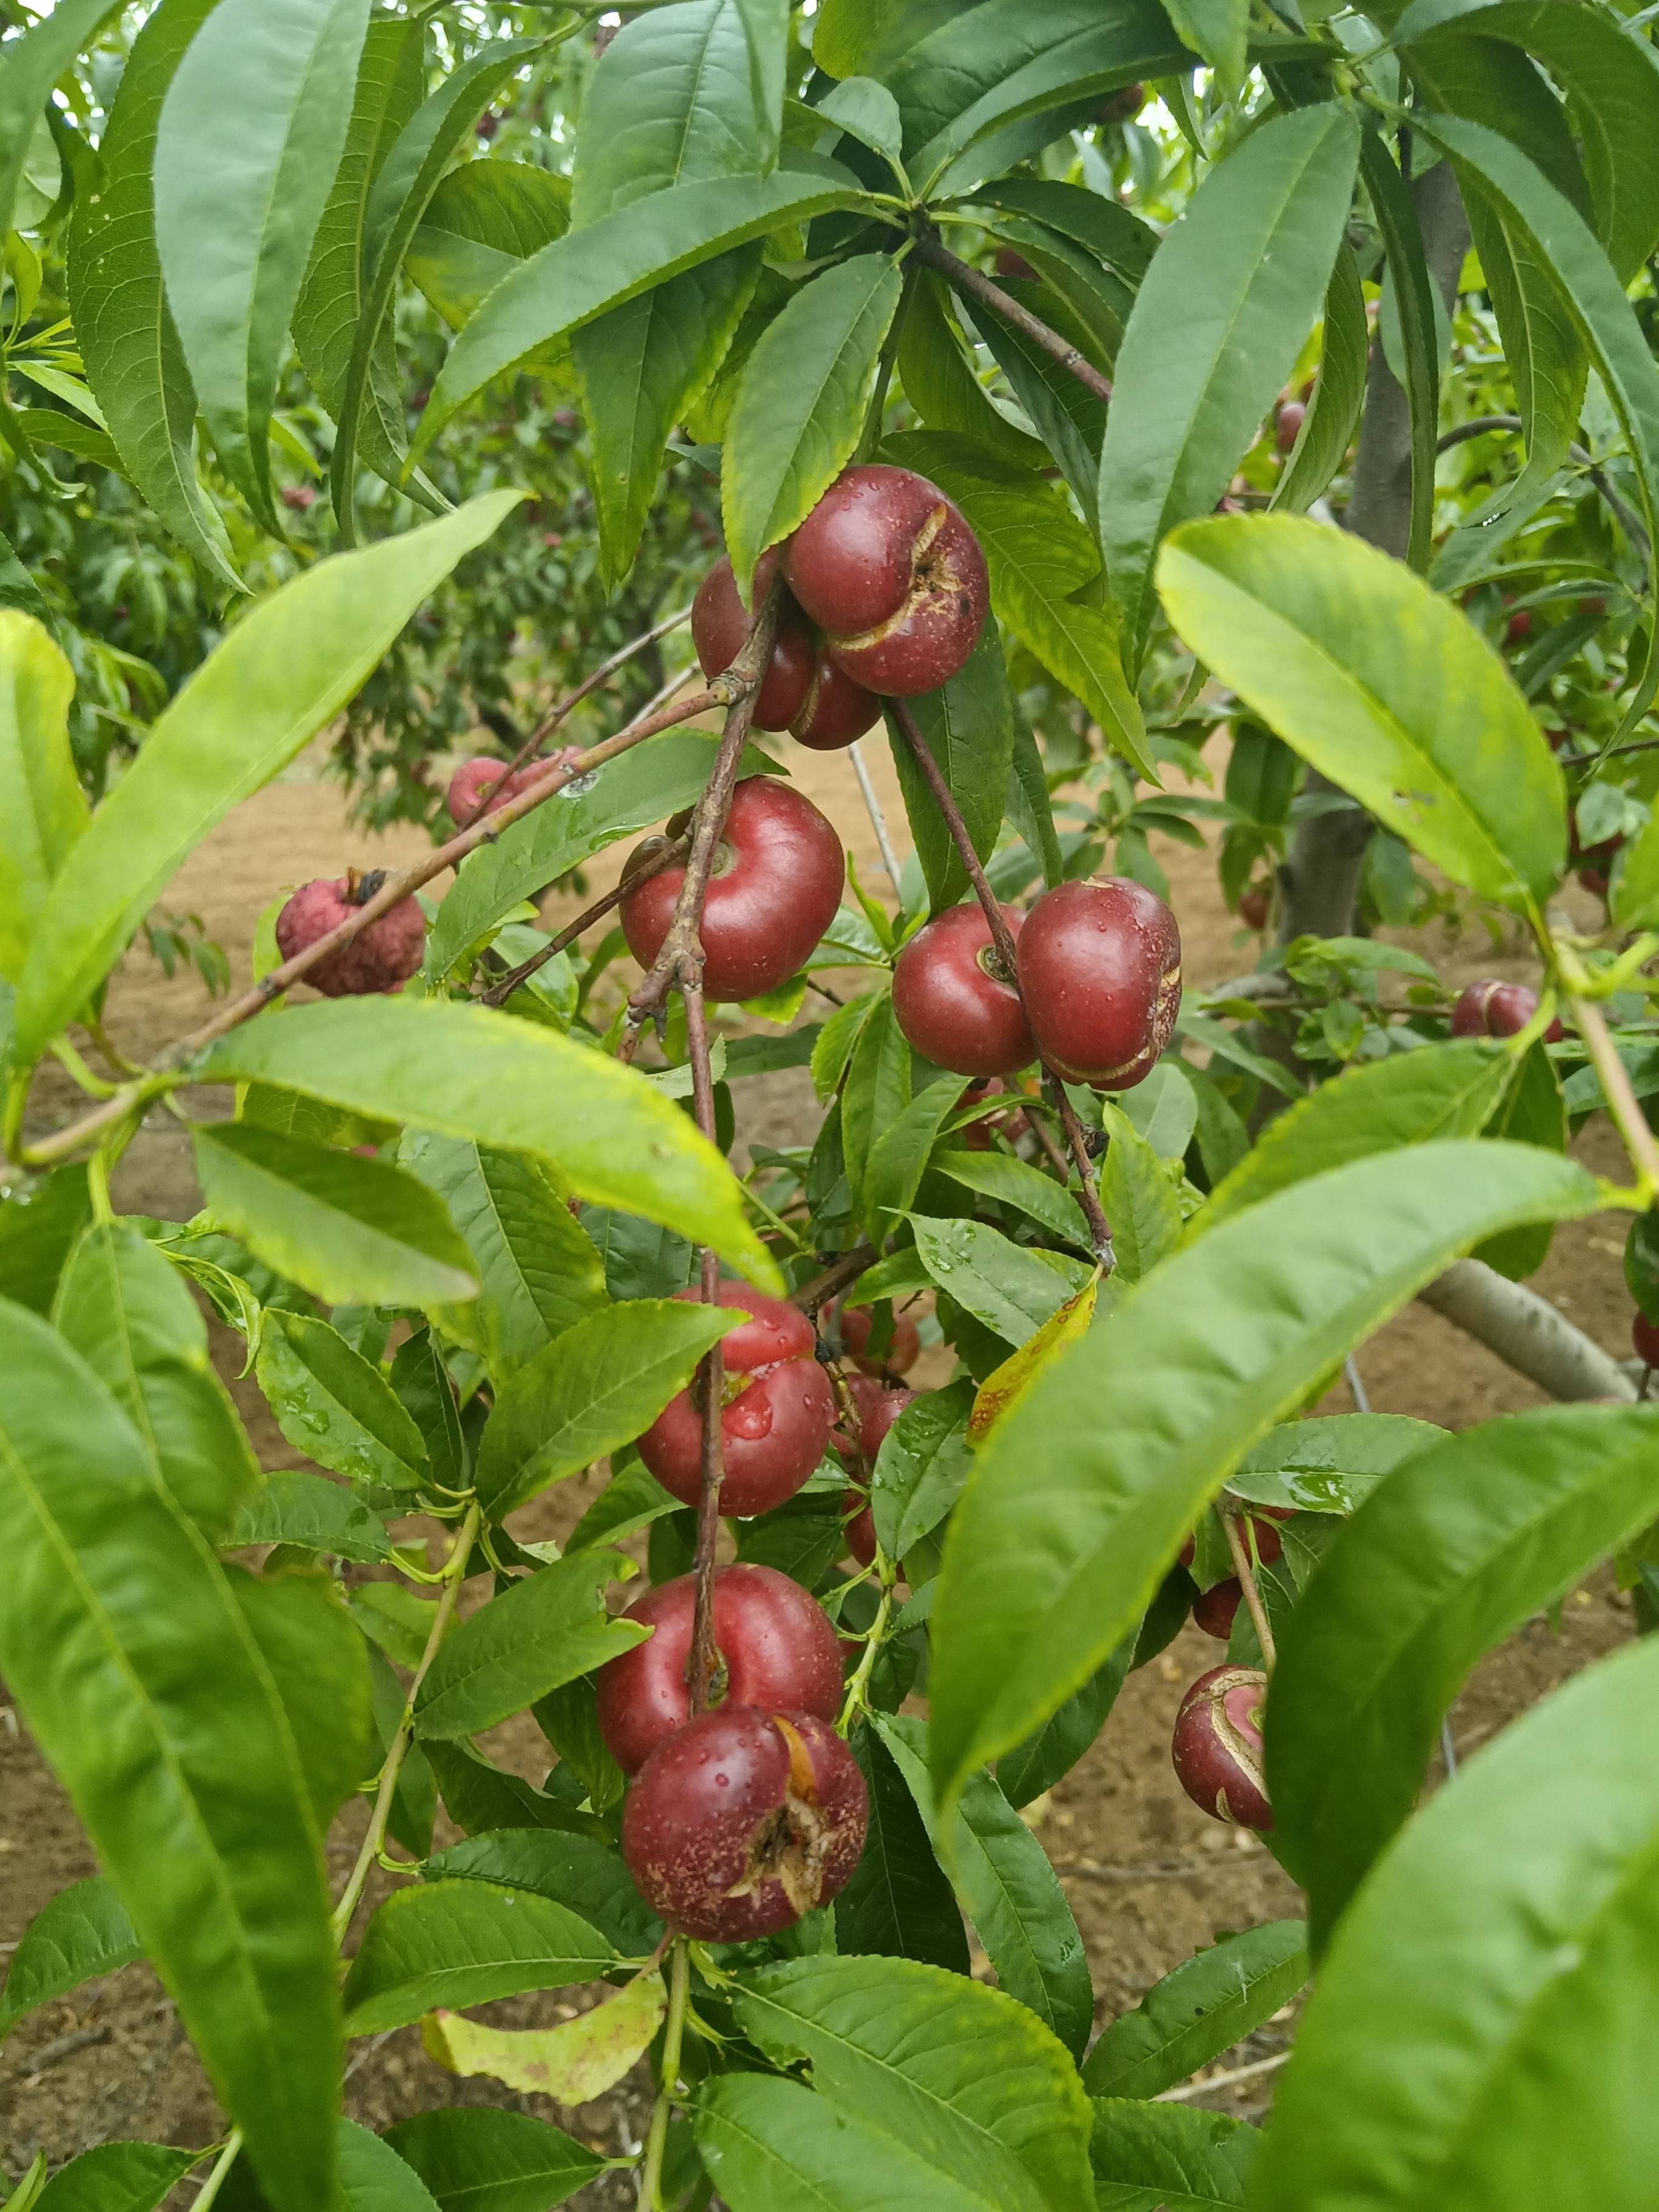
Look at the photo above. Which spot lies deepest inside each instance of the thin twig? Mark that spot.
(1220, 2080)
(215, 2181)
(878, 820)
(703, 1658)
(1244, 1568)
(968, 279)
(822, 1288)
(1627, 1115)
(500, 992)
(1634, 528)
(1100, 1235)
(679, 1986)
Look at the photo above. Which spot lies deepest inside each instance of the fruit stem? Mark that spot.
(221, 2165)
(853, 1703)
(1627, 1115)
(454, 1575)
(1244, 1568)
(932, 250)
(500, 992)
(904, 721)
(674, 2036)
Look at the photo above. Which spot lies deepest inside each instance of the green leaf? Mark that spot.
(136, 1671)
(333, 1406)
(1216, 31)
(1455, 2052)
(898, 1904)
(538, 1267)
(572, 2063)
(542, 1630)
(397, 200)
(579, 277)
(1451, 1555)
(579, 1871)
(1039, 556)
(801, 404)
(940, 382)
(1070, 420)
(331, 304)
(1209, 2002)
(1217, 327)
(876, 1091)
(639, 368)
(1081, 1496)
(117, 2177)
(1016, 1183)
(1380, 684)
(1412, 1098)
(767, 2143)
(319, 1664)
(632, 1500)
(967, 726)
(1564, 244)
(478, 1796)
(1411, 293)
(350, 1231)
(33, 64)
(965, 2077)
(473, 2159)
(463, 1943)
(1006, 1285)
(642, 786)
(469, 1071)
(37, 1231)
(1007, 1889)
(920, 1468)
(899, 1153)
(1339, 392)
(285, 669)
(374, 2178)
(1138, 1199)
(1330, 1465)
(314, 1515)
(1107, 229)
(251, 129)
(598, 1386)
(126, 1311)
(1165, 2158)
(1054, 1749)
(82, 1933)
(484, 218)
(39, 792)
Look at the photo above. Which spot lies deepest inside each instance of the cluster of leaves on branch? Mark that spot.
(474, 1250)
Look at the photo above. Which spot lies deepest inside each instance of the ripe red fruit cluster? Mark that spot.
(1213, 1609)
(1493, 1009)
(803, 691)
(774, 1422)
(484, 785)
(776, 883)
(1217, 1746)
(1096, 990)
(381, 958)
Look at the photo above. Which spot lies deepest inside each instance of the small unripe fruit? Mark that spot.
(775, 1647)
(1217, 1746)
(1518, 626)
(774, 1423)
(888, 568)
(952, 1000)
(1291, 413)
(743, 1821)
(381, 958)
(483, 784)
(298, 497)
(1253, 908)
(1010, 264)
(904, 1350)
(1644, 1336)
(486, 126)
(1099, 972)
(774, 889)
(1493, 1009)
(1123, 107)
(1213, 1609)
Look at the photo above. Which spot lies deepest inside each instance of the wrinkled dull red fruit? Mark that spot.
(776, 1649)
(1518, 626)
(951, 1001)
(743, 1821)
(1253, 908)
(1644, 1336)
(1123, 107)
(1099, 972)
(1213, 1609)
(1217, 1747)
(1286, 428)
(803, 690)
(776, 883)
(774, 1423)
(904, 1350)
(379, 958)
(482, 779)
(1497, 1010)
(888, 568)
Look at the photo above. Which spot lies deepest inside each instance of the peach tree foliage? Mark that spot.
(450, 1234)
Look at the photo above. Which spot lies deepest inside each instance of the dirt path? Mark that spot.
(1149, 1878)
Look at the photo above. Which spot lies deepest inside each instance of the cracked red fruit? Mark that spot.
(1493, 1009)
(776, 883)
(1213, 1608)
(1644, 1336)
(903, 1349)
(487, 780)
(1099, 971)
(888, 568)
(381, 958)
(775, 1420)
(743, 1821)
(953, 1001)
(775, 1646)
(1217, 1746)
(836, 711)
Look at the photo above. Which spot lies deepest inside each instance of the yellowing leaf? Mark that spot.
(1006, 1384)
(580, 2060)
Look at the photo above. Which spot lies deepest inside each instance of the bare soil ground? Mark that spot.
(1149, 1877)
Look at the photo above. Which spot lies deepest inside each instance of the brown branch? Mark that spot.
(1243, 1567)
(499, 993)
(822, 1288)
(1100, 1235)
(966, 278)
(704, 1656)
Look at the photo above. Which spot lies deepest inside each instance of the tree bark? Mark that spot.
(1526, 1332)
